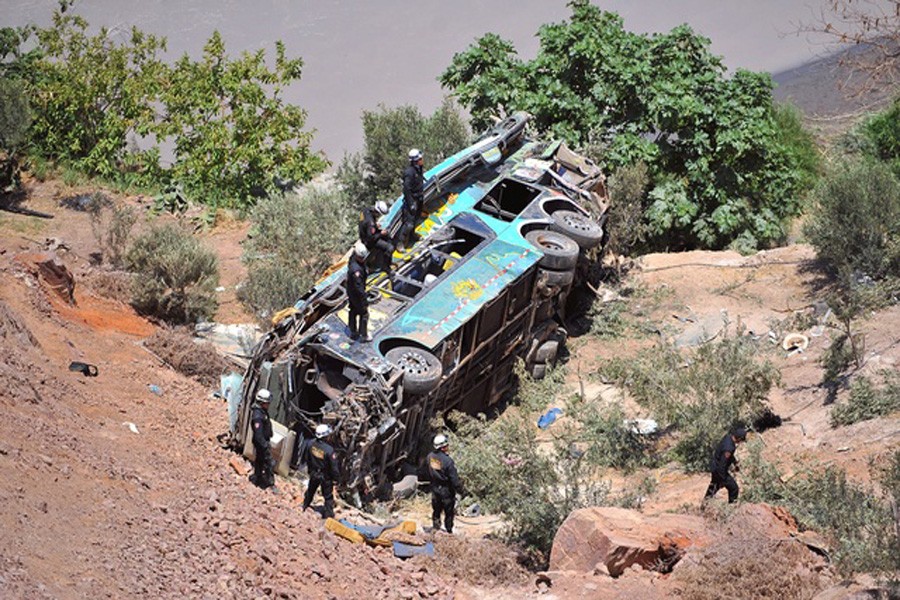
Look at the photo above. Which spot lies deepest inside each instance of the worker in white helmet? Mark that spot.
(444, 484)
(357, 274)
(413, 196)
(322, 465)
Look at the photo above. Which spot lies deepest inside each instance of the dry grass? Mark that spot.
(182, 353)
(115, 285)
(748, 567)
(480, 562)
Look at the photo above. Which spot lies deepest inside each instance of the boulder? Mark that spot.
(607, 539)
(773, 522)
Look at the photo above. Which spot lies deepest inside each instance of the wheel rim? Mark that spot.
(412, 362)
(578, 223)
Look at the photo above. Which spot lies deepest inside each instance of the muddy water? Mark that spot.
(360, 53)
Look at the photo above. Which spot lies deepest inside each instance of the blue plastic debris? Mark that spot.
(402, 550)
(547, 419)
(155, 389)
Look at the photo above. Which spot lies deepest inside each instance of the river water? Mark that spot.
(360, 53)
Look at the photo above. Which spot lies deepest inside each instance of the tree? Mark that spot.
(873, 27)
(94, 95)
(389, 134)
(724, 170)
(232, 130)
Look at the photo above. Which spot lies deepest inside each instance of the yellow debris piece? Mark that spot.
(343, 531)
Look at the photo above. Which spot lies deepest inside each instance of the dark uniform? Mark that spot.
(444, 486)
(263, 463)
(723, 458)
(374, 238)
(321, 462)
(356, 294)
(413, 199)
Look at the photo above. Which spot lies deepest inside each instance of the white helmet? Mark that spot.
(415, 154)
(381, 207)
(322, 431)
(360, 250)
(440, 440)
(263, 395)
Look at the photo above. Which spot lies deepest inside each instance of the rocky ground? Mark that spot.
(113, 490)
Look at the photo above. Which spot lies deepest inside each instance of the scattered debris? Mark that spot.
(548, 418)
(131, 426)
(641, 426)
(794, 342)
(155, 389)
(84, 368)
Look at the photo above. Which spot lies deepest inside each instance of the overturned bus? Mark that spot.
(504, 224)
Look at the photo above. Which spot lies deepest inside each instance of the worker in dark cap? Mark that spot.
(722, 459)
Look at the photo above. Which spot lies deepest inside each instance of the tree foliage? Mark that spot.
(724, 167)
(375, 174)
(96, 98)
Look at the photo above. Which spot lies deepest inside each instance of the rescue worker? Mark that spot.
(374, 237)
(322, 466)
(444, 484)
(358, 320)
(723, 458)
(413, 196)
(263, 463)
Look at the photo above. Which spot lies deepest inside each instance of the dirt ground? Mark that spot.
(113, 490)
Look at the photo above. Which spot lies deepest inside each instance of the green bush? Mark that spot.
(389, 135)
(502, 464)
(175, 276)
(859, 522)
(855, 222)
(701, 393)
(883, 134)
(607, 439)
(725, 164)
(293, 238)
(868, 401)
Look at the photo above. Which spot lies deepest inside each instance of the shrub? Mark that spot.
(503, 466)
(174, 275)
(867, 401)
(534, 394)
(883, 134)
(859, 522)
(606, 437)
(702, 393)
(389, 135)
(111, 226)
(855, 222)
(293, 238)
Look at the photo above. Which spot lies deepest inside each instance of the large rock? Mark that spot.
(613, 539)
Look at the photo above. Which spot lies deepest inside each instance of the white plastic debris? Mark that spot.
(131, 426)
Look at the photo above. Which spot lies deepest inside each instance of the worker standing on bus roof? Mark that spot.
(413, 196)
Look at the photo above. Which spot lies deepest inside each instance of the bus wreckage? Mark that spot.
(505, 224)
